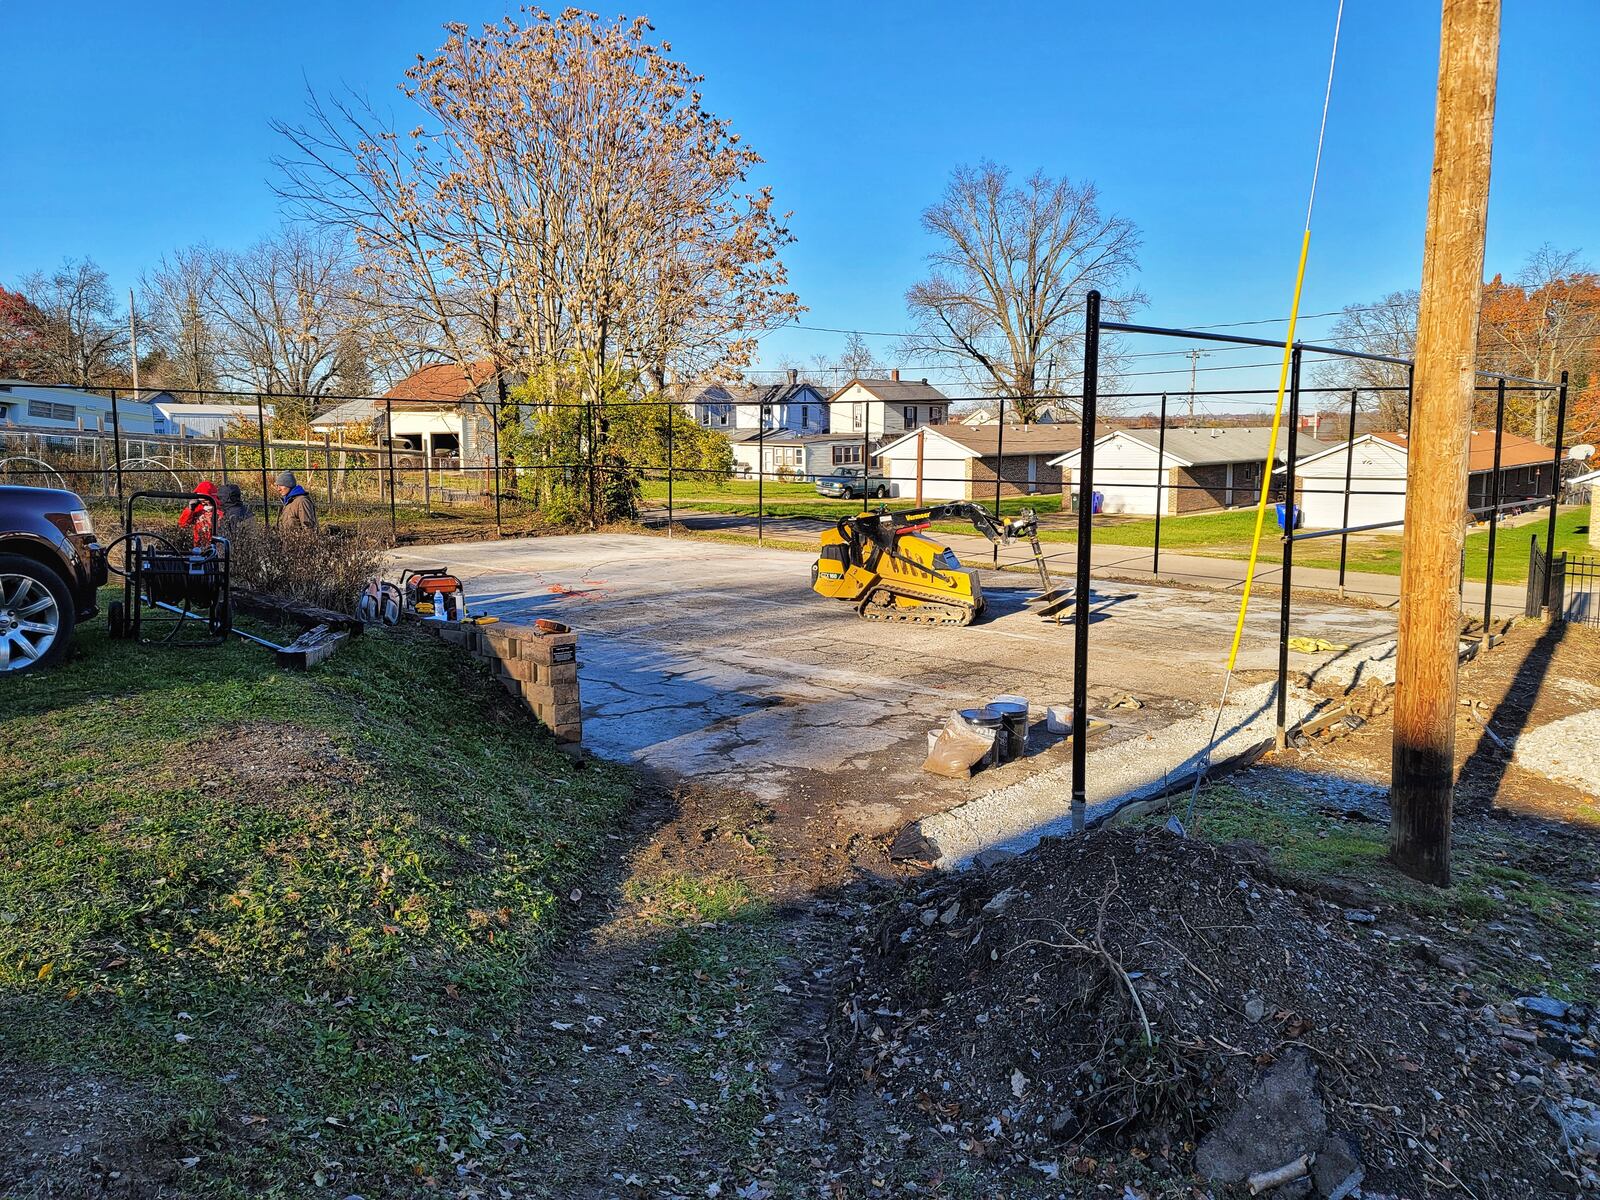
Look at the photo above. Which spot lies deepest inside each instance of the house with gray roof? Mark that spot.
(793, 405)
(1189, 470)
(886, 408)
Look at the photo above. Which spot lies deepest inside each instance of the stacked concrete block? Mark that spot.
(537, 666)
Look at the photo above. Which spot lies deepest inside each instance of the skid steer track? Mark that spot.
(880, 605)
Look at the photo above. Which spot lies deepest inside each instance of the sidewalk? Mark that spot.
(1128, 562)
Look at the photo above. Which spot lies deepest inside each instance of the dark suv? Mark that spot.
(50, 569)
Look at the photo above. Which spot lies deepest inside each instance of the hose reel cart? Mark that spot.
(171, 589)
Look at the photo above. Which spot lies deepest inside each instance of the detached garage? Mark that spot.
(1377, 463)
(1190, 470)
(960, 462)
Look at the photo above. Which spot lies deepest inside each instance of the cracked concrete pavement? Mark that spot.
(717, 664)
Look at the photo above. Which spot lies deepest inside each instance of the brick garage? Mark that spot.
(1198, 469)
(1020, 475)
(961, 462)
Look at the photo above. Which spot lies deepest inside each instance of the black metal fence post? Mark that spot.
(496, 414)
(116, 444)
(1161, 478)
(1286, 573)
(1494, 508)
(261, 447)
(327, 465)
(670, 423)
(388, 437)
(999, 468)
(1411, 387)
(1349, 466)
(866, 451)
(1555, 482)
(761, 483)
(1080, 632)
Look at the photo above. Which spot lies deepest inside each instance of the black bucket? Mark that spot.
(1014, 725)
(987, 719)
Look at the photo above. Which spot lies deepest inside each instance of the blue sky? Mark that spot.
(137, 128)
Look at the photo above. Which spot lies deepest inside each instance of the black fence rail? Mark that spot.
(1493, 504)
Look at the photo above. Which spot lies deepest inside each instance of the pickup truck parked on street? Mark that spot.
(852, 483)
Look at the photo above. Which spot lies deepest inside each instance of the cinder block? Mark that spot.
(571, 733)
(502, 640)
(557, 715)
(551, 649)
(511, 685)
(454, 635)
(560, 674)
(537, 693)
(519, 669)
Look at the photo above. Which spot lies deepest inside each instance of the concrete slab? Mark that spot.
(717, 664)
(1016, 817)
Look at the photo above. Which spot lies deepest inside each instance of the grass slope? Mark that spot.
(297, 909)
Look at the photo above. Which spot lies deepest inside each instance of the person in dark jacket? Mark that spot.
(234, 512)
(299, 510)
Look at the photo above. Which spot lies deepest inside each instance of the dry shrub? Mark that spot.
(329, 569)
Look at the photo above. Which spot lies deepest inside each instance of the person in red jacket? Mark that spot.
(201, 516)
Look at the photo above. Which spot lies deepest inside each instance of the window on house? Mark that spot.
(935, 415)
(857, 415)
(910, 414)
(844, 455)
(49, 410)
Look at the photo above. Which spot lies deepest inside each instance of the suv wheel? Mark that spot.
(37, 615)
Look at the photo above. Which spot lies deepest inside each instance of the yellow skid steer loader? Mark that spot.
(881, 563)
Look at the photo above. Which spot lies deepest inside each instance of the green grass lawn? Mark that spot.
(1227, 535)
(297, 912)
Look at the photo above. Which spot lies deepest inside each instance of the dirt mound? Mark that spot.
(1131, 1006)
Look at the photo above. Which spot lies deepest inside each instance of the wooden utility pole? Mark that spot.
(1441, 425)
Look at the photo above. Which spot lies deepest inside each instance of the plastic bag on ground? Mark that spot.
(958, 748)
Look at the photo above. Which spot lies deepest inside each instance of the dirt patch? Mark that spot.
(1100, 1007)
(265, 760)
(76, 1134)
(1537, 676)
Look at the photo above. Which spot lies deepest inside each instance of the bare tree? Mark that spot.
(1389, 328)
(283, 308)
(83, 337)
(1010, 268)
(179, 300)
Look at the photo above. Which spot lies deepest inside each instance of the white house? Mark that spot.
(1190, 470)
(439, 410)
(70, 410)
(794, 406)
(1377, 465)
(884, 408)
(1590, 480)
(803, 456)
(963, 462)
